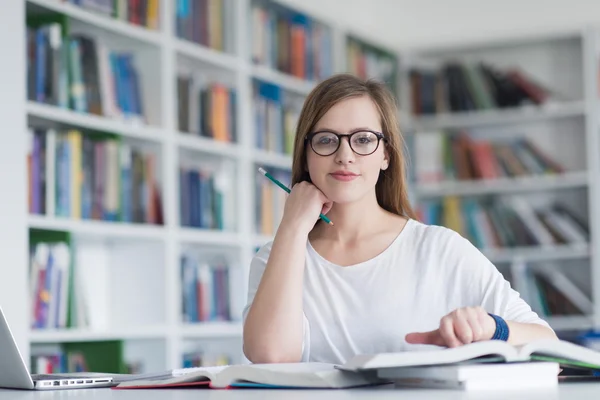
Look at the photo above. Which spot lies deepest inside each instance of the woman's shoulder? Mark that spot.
(426, 235)
(445, 246)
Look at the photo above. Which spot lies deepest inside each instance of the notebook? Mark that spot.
(284, 375)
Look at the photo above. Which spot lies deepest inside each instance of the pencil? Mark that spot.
(281, 185)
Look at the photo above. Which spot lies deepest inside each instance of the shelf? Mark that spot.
(198, 143)
(61, 116)
(537, 253)
(208, 237)
(570, 322)
(285, 81)
(101, 229)
(504, 185)
(206, 54)
(500, 117)
(268, 158)
(84, 335)
(211, 330)
(110, 24)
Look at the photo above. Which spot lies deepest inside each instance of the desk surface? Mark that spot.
(563, 391)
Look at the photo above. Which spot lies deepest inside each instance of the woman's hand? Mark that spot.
(461, 326)
(303, 206)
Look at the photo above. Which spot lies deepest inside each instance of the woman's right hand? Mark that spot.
(303, 206)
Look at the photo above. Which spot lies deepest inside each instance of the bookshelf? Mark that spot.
(126, 264)
(460, 131)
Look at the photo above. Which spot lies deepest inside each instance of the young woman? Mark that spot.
(377, 280)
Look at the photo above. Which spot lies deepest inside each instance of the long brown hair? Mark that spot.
(391, 188)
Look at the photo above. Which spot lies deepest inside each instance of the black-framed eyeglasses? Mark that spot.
(362, 142)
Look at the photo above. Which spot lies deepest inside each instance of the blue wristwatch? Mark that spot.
(501, 332)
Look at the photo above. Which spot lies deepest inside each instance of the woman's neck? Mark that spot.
(352, 221)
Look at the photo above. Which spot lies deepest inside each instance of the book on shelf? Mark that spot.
(446, 157)
(276, 114)
(290, 42)
(205, 22)
(549, 291)
(73, 357)
(79, 72)
(270, 201)
(65, 284)
(207, 197)
(471, 86)
(506, 222)
(144, 13)
(205, 359)
(205, 108)
(205, 290)
(92, 176)
(367, 60)
(51, 288)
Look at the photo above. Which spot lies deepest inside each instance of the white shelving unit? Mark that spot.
(137, 285)
(567, 129)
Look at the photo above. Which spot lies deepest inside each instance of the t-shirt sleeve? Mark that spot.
(257, 268)
(489, 287)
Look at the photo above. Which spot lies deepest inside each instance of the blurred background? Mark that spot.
(132, 131)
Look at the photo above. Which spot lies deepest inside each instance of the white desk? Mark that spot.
(563, 391)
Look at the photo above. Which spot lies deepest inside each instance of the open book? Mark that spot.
(562, 352)
(294, 375)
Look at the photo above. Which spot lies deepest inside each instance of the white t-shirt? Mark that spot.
(425, 273)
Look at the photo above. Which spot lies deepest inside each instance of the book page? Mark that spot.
(433, 357)
(562, 352)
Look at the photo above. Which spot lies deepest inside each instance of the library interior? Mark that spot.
(133, 204)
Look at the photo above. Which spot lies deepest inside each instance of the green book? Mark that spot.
(101, 356)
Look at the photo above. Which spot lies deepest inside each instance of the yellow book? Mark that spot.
(153, 14)
(75, 143)
(452, 217)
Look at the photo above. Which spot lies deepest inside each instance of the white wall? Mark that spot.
(416, 23)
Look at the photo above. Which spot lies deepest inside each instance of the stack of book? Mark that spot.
(366, 60)
(92, 176)
(77, 72)
(206, 198)
(203, 359)
(456, 87)
(506, 222)
(206, 109)
(138, 12)
(290, 42)
(205, 22)
(485, 366)
(448, 157)
(276, 114)
(50, 281)
(205, 290)
(98, 356)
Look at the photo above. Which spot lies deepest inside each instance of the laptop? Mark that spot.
(14, 373)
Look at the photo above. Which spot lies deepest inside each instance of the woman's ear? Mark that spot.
(386, 161)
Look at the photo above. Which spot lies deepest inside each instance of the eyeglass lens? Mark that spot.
(362, 142)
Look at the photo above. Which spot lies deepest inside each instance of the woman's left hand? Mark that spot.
(461, 326)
